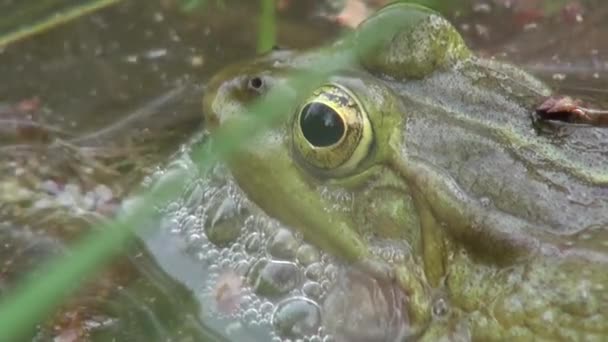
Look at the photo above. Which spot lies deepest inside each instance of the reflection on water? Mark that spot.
(131, 76)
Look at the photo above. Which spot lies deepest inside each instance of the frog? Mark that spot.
(413, 139)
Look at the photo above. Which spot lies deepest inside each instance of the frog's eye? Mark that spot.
(331, 130)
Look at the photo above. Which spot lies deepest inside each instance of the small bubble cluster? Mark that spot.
(261, 279)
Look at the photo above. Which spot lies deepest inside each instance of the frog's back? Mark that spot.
(476, 122)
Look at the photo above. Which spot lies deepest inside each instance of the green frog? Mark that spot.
(416, 141)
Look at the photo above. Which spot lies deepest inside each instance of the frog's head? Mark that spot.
(344, 167)
(325, 168)
(327, 161)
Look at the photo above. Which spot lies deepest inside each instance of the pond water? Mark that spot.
(95, 109)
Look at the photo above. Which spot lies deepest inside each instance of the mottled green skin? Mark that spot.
(506, 218)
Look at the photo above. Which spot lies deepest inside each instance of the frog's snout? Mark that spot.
(225, 98)
(211, 116)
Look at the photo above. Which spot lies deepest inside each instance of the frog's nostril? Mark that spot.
(255, 83)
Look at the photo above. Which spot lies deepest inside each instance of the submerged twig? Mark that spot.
(567, 109)
(140, 115)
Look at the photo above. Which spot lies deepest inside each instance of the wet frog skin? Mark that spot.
(422, 144)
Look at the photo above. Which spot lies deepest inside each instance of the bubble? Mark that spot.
(315, 338)
(283, 245)
(329, 338)
(225, 253)
(173, 206)
(326, 258)
(266, 308)
(386, 254)
(204, 244)
(193, 239)
(225, 263)
(236, 248)
(331, 272)
(312, 290)
(237, 257)
(296, 317)
(253, 243)
(314, 271)
(307, 255)
(213, 269)
(251, 222)
(224, 227)
(212, 255)
(242, 267)
(195, 197)
(180, 214)
(250, 316)
(246, 299)
(273, 278)
(256, 302)
(170, 178)
(326, 284)
(321, 331)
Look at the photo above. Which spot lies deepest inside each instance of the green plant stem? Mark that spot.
(267, 26)
(53, 19)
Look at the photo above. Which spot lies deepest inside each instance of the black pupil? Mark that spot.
(321, 125)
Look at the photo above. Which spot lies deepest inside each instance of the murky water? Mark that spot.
(97, 90)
